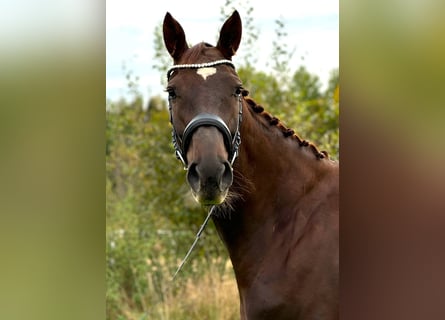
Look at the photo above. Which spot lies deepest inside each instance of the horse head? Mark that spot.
(205, 101)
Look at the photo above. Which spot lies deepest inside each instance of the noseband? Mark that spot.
(231, 141)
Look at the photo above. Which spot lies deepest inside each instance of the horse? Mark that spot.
(275, 195)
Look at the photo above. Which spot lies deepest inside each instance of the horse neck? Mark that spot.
(271, 175)
(271, 163)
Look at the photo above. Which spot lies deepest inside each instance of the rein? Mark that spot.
(198, 235)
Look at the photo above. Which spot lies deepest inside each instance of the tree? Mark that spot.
(280, 53)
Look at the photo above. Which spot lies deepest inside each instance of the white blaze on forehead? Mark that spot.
(206, 72)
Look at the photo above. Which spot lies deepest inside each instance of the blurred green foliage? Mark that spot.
(150, 213)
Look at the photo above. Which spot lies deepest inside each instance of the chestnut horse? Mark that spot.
(275, 195)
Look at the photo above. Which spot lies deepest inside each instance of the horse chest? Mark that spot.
(289, 279)
(274, 300)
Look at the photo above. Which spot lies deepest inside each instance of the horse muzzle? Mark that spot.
(208, 149)
(210, 181)
(209, 173)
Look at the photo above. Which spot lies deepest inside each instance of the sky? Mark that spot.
(312, 28)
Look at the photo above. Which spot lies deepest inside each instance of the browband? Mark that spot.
(198, 66)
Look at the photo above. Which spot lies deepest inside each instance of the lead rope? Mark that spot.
(198, 235)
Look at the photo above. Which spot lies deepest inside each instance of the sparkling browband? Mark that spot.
(198, 66)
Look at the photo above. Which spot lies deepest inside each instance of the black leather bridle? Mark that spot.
(181, 143)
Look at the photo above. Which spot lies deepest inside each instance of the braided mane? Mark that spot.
(287, 132)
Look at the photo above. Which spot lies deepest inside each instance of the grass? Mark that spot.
(208, 291)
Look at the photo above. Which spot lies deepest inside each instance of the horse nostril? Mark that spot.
(227, 176)
(193, 176)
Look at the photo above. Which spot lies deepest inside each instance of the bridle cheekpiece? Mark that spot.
(231, 141)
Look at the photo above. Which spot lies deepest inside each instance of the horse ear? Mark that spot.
(230, 35)
(174, 37)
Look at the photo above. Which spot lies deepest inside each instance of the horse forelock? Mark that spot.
(200, 53)
(287, 132)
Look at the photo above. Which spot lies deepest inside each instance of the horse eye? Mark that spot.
(171, 93)
(238, 91)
